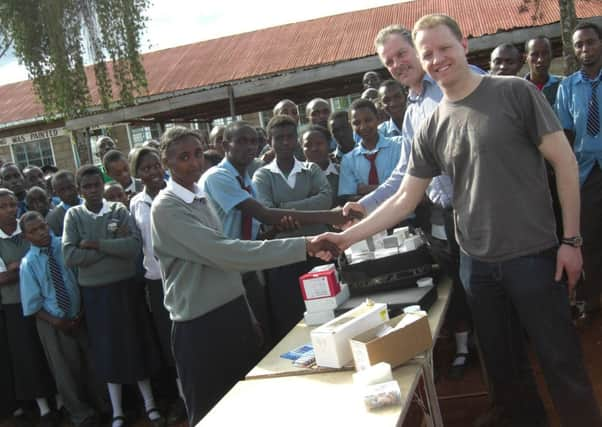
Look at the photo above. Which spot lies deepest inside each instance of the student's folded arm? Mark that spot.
(74, 256)
(123, 246)
(193, 241)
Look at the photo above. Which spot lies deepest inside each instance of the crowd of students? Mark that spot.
(182, 256)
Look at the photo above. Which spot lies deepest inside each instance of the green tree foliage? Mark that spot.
(52, 37)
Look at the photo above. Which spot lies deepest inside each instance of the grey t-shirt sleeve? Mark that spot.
(423, 163)
(539, 115)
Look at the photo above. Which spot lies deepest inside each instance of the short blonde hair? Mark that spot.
(435, 20)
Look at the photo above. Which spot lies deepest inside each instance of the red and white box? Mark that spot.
(320, 282)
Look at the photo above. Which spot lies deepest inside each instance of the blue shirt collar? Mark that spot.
(54, 242)
(67, 207)
(225, 164)
(581, 77)
(380, 144)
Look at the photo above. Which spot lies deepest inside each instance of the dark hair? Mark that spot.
(31, 167)
(280, 121)
(363, 103)
(87, 170)
(532, 39)
(278, 106)
(311, 104)
(393, 83)
(29, 216)
(62, 174)
(49, 169)
(338, 115)
(212, 156)
(112, 184)
(5, 192)
(9, 165)
(234, 127)
(112, 156)
(320, 129)
(35, 189)
(136, 156)
(175, 134)
(585, 25)
(508, 46)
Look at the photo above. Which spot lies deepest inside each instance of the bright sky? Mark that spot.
(176, 22)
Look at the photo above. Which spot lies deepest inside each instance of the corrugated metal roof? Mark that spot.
(300, 45)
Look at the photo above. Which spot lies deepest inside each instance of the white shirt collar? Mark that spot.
(104, 210)
(3, 235)
(331, 169)
(183, 193)
(292, 176)
(132, 187)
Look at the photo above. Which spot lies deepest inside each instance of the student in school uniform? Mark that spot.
(373, 160)
(37, 200)
(101, 239)
(114, 192)
(32, 378)
(145, 164)
(63, 185)
(314, 141)
(49, 292)
(12, 179)
(229, 188)
(117, 167)
(290, 184)
(213, 334)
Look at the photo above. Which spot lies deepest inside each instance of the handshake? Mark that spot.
(328, 246)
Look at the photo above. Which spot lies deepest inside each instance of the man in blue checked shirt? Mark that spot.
(396, 51)
(50, 292)
(578, 108)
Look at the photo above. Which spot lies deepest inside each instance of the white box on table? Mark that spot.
(331, 340)
(315, 318)
(328, 303)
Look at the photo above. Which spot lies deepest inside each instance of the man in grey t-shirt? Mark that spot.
(511, 264)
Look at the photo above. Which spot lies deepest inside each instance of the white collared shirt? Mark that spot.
(104, 210)
(132, 187)
(3, 235)
(183, 193)
(331, 169)
(140, 207)
(292, 176)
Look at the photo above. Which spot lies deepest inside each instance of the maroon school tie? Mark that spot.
(373, 175)
(247, 220)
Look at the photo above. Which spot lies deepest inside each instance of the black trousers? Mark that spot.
(521, 294)
(7, 391)
(213, 352)
(591, 228)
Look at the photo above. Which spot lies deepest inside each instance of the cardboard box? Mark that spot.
(395, 348)
(315, 318)
(320, 282)
(331, 340)
(329, 303)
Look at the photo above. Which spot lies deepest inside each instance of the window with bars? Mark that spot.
(35, 153)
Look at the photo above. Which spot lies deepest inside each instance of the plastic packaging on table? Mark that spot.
(380, 395)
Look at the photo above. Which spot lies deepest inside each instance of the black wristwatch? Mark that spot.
(576, 241)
